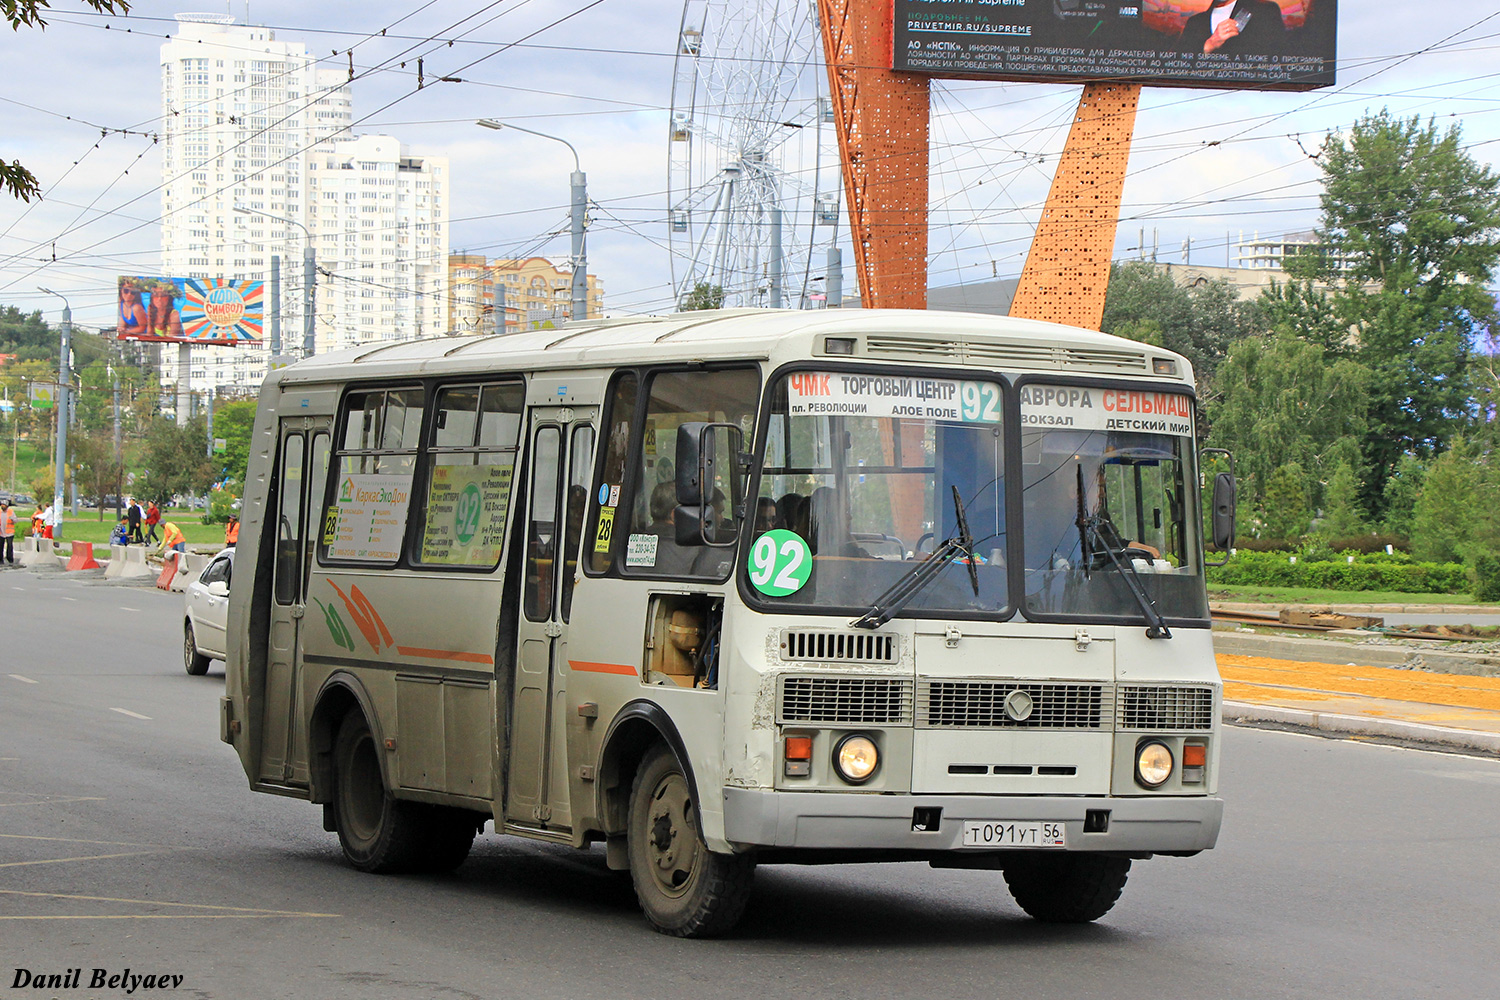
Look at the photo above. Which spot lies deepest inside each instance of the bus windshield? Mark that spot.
(1105, 476)
(857, 479)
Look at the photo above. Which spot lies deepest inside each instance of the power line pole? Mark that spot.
(65, 380)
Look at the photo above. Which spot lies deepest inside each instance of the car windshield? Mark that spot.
(1109, 470)
(856, 492)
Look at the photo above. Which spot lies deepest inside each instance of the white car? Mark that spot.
(205, 624)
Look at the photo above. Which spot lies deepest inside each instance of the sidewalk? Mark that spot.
(1340, 687)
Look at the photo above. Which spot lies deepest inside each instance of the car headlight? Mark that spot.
(1153, 764)
(855, 758)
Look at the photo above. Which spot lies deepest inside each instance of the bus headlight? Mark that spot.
(855, 758)
(1153, 764)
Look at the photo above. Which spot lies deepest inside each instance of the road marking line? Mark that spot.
(133, 715)
(102, 843)
(176, 916)
(124, 608)
(61, 800)
(23, 680)
(85, 857)
(152, 902)
(70, 599)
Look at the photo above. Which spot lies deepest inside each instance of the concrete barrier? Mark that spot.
(42, 553)
(28, 550)
(190, 566)
(81, 556)
(168, 571)
(116, 562)
(132, 563)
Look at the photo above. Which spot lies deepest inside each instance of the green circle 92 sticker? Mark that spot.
(780, 563)
(466, 514)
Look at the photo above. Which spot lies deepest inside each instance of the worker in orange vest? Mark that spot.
(172, 538)
(7, 532)
(231, 531)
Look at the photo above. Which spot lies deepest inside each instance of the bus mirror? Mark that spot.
(1223, 516)
(689, 465)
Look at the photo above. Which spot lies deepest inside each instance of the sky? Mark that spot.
(81, 101)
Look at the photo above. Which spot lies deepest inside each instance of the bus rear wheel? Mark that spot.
(1067, 888)
(684, 889)
(375, 830)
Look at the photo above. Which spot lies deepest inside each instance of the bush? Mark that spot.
(1487, 578)
(1373, 571)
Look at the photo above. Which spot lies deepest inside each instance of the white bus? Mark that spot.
(732, 588)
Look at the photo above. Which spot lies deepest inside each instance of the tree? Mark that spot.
(1144, 303)
(233, 422)
(175, 460)
(1284, 507)
(1342, 515)
(1278, 401)
(1417, 222)
(1402, 490)
(1455, 495)
(703, 296)
(93, 458)
(15, 178)
(1302, 310)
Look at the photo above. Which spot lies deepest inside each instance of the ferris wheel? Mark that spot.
(753, 181)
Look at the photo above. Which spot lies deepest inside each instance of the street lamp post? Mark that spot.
(65, 379)
(309, 278)
(579, 208)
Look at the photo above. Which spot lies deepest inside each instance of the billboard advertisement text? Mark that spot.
(1240, 44)
(190, 310)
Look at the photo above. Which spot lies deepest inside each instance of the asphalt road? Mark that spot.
(128, 839)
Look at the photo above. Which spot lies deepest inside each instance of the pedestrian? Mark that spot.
(153, 518)
(133, 516)
(46, 519)
(7, 532)
(121, 534)
(54, 521)
(231, 531)
(172, 538)
(39, 522)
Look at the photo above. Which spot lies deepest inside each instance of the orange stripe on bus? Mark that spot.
(602, 668)
(446, 654)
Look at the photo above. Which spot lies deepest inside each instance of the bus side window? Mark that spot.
(542, 543)
(580, 463)
(619, 417)
(289, 520)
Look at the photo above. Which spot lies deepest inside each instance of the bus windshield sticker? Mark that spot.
(780, 563)
(813, 394)
(466, 510)
(606, 529)
(1074, 407)
(640, 550)
(331, 525)
(614, 496)
(371, 517)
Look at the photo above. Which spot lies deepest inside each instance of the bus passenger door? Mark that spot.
(301, 476)
(562, 447)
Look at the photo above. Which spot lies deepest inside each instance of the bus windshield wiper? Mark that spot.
(902, 592)
(1099, 533)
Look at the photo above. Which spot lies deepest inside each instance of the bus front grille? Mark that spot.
(845, 701)
(989, 704)
(841, 647)
(1166, 707)
(1042, 355)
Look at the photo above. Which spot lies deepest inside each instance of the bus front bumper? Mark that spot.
(823, 820)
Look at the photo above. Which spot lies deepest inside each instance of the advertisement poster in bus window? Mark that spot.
(369, 517)
(1238, 44)
(1071, 407)
(466, 508)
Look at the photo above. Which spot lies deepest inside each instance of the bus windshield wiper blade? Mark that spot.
(1094, 530)
(916, 580)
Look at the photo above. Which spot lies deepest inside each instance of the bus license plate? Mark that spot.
(1021, 834)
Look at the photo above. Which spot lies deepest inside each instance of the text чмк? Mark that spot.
(1169, 404)
(874, 385)
(99, 979)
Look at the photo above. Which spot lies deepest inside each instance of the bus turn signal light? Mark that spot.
(1194, 758)
(798, 756)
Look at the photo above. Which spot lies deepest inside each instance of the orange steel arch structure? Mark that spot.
(882, 123)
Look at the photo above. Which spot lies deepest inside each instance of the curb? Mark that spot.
(1359, 725)
(1335, 652)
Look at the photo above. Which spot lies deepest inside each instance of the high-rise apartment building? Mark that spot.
(253, 122)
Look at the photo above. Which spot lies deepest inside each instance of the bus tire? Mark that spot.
(684, 889)
(448, 836)
(378, 833)
(1067, 888)
(195, 662)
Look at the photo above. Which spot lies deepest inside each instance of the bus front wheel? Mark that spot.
(684, 889)
(1067, 888)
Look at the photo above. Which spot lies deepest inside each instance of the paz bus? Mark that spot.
(730, 588)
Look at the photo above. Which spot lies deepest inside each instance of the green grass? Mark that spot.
(88, 528)
(1253, 594)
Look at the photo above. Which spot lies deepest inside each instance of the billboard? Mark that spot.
(190, 310)
(1240, 44)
